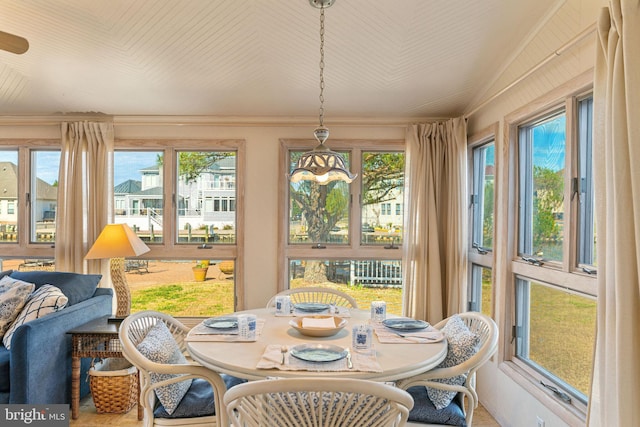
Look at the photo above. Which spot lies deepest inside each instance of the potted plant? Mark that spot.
(200, 271)
(226, 267)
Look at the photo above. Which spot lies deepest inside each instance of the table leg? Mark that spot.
(75, 387)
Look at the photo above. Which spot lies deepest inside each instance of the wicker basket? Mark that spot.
(114, 386)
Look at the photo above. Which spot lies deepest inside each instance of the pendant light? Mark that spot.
(321, 165)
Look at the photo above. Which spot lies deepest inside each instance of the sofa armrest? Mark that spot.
(40, 354)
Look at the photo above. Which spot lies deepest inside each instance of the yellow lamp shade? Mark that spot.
(117, 240)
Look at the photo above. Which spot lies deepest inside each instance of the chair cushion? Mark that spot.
(13, 296)
(198, 401)
(45, 300)
(77, 287)
(462, 344)
(159, 346)
(425, 412)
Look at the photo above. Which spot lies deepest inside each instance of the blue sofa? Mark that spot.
(37, 367)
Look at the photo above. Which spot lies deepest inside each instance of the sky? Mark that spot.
(128, 164)
(550, 143)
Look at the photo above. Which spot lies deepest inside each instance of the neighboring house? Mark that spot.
(208, 201)
(43, 204)
(388, 214)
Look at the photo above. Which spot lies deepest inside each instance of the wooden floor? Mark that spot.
(89, 418)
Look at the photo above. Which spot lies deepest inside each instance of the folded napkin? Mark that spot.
(200, 332)
(272, 358)
(312, 322)
(423, 336)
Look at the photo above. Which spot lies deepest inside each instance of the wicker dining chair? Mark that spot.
(316, 402)
(458, 379)
(317, 294)
(154, 343)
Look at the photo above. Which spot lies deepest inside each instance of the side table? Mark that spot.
(98, 338)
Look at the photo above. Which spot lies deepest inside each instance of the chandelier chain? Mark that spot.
(321, 66)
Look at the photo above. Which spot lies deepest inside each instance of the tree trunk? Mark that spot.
(315, 272)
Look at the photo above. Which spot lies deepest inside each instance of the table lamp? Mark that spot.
(115, 242)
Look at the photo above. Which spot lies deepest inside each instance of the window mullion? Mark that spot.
(23, 206)
(355, 201)
(570, 170)
(170, 214)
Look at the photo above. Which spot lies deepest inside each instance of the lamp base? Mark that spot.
(121, 287)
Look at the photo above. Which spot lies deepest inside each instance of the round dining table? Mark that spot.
(397, 360)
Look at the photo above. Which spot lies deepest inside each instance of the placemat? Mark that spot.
(425, 336)
(200, 332)
(272, 358)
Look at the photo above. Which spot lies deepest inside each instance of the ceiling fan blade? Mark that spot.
(13, 43)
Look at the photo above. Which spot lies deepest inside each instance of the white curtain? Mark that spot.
(616, 380)
(84, 192)
(435, 258)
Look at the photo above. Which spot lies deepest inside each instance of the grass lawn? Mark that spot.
(191, 299)
(214, 297)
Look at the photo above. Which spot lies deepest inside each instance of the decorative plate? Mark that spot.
(318, 332)
(318, 352)
(221, 322)
(404, 324)
(311, 307)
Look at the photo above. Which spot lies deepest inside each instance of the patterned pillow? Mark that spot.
(12, 300)
(462, 344)
(7, 283)
(45, 300)
(159, 346)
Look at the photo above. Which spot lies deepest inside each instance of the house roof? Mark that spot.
(9, 186)
(8, 180)
(127, 187)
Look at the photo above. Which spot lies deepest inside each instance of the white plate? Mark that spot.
(311, 307)
(221, 322)
(404, 324)
(318, 352)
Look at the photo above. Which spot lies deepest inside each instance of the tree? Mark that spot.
(548, 197)
(323, 206)
(383, 174)
(193, 163)
(487, 225)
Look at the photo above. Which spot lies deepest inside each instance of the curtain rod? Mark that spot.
(587, 31)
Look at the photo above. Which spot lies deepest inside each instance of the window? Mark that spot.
(347, 236)
(481, 213)
(542, 149)
(29, 172)
(582, 187)
(180, 198)
(553, 270)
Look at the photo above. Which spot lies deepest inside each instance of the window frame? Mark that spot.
(24, 246)
(169, 248)
(476, 256)
(354, 249)
(508, 265)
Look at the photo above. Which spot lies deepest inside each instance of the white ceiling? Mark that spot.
(400, 58)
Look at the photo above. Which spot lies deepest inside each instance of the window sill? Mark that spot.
(527, 378)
